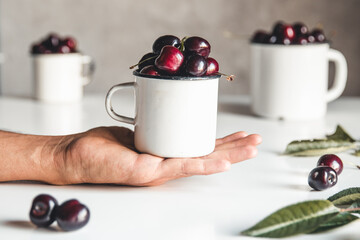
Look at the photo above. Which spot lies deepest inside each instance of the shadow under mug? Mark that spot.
(60, 78)
(174, 116)
(291, 82)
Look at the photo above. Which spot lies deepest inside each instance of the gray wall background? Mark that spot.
(118, 32)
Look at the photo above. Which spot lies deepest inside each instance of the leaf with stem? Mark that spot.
(345, 197)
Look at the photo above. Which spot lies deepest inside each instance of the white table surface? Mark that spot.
(201, 207)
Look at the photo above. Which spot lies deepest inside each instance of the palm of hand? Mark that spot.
(108, 155)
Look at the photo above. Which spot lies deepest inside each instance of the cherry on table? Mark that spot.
(197, 45)
(166, 40)
(72, 215)
(331, 160)
(169, 60)
(322, 177)
(43, 210)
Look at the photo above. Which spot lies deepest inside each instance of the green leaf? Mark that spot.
(355, 206)
(335, 222)
(339, 141)
(317, 147)
(340, 134)
(345, 197)
(299, 218)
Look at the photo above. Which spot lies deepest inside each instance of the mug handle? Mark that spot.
(341, 72)
(109, 107)
(88, 69)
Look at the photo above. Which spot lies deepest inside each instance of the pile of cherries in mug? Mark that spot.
(289, 34)
(171, 56)
(53, 43)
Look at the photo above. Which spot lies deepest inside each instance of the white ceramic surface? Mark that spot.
(60, 78)
(213, 207)
(291, 82)
(174, 118)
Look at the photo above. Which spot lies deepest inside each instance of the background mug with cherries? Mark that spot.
(60, 71)
(289, 73)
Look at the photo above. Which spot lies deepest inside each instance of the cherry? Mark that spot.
(260, 37)
(43, 209)
(169, 60)
(301, 40)
(72, 215)
(147, 59)
(164, 41)
(196, 65)
(311, 38)
(52, 42)
(331, 160)
(197, 45)
(70, 42)
(150, 70)
(318, 35)
(300, 29)
(63, 49)
(322, 177)
(278, 28)
(212, 66)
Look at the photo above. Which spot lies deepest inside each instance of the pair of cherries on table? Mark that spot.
(70, 215)
(289, 34)
(172, 56)
(325, 175)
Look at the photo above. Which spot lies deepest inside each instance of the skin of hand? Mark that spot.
(108, 155)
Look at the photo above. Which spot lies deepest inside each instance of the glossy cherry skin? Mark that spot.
(150, 70)
(147, 59)
(318, 35)
(278, 28)
(165, 41)
(63, 49)
(72, 215)
(197, 45)
(43, 210)
(301, 40)
(300, 29)
(52, 42)
(196, 65)
(70, 42)
(169, 60)
(212, 66)
(321, 178)
(333, 161)
(260, 37)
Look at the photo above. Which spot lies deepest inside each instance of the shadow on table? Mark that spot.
(236, 108)
(21, 224)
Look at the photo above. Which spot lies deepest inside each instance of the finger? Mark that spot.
(184, 167)
(236, 154)
(253, 139)
(231, 137)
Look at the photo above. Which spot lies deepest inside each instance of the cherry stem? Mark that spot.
(147, 59)
(350, 209)
(229, 78)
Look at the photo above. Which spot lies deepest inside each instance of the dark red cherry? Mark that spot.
(70, 42)
(150, 70)
(72, 215)
(147, 59)
(311, 38)
(301, 40)
(52, 42)
(272, 39)
(331, 160)
(321, 178)
(300, 29)
(318, 35)
(63, 49)
(278, 28)
(260, 37)
(165, 41)
(169, 60)
(43, 209)
(197, 45)
(212, 66)
(196, 65)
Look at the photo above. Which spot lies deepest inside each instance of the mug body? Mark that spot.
(58, 77)
(289, 82)
(176, 117)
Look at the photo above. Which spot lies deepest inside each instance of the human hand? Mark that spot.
(108, 155)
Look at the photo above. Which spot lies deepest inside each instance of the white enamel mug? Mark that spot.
(174, 116)
(290, 82)
(60, 78)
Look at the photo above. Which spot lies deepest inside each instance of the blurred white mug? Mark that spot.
(290, 82)
(60, 78)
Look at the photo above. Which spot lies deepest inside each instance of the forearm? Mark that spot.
(28, 157)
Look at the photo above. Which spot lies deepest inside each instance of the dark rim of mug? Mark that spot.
(184, 78)
(290, 45)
